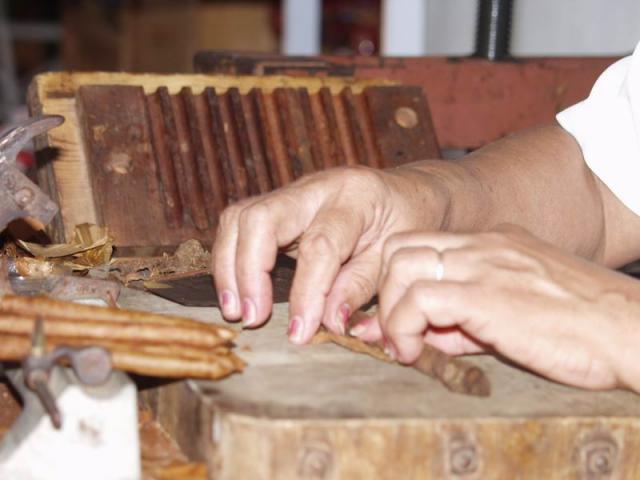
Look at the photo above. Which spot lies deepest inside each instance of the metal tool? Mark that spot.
(19, 196)
(92, 366)
(493, 32)
(62, 286)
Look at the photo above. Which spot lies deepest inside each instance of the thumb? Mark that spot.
(354, 286)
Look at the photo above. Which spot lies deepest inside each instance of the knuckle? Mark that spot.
(494, 238)
(400, 262)
(364, 285)
(416, 293)
(254, 215)
(229, 215)
(362, 179)
(391, 245)
(317, 244)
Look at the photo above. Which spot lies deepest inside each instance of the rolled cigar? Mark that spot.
(159, 366)
(455, 374)
(46, 306)
(138, 359)
(112, 331)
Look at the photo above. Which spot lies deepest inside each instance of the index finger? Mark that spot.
(263, 227)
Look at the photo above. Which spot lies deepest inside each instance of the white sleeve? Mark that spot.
(607, 127)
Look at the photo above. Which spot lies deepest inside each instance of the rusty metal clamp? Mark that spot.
(92, 365)
(19, 196)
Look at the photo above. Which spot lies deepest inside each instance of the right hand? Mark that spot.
(335, 223)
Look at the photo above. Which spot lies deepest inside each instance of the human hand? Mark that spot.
(508, 292)
(335, 222)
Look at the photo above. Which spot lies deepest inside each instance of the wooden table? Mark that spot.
(324, 412)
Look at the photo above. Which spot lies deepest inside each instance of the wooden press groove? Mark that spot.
(299, 130)
(210, 155)
(286, 124)
(326, 145)
(197, 209)
(256, 144)
(220, 145)
(197, 153)
(353, 121)
(283, 168)
(171, 136)
(310, 125)
(344, 131)
(240, 125)
(326, 99)
(366, 126)
(265, 135)
(238, 170)
(166, 173)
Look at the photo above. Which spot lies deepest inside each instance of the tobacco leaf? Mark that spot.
(91, 246)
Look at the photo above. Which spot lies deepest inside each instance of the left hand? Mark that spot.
(508, 292)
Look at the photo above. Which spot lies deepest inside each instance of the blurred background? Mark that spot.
(163, 35)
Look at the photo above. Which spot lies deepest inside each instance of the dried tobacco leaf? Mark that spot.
(90, 247)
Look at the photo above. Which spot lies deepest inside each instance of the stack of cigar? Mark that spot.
(139, 342)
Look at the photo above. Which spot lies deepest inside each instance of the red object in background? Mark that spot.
(25, 161)
(351, 28)
(348, 27)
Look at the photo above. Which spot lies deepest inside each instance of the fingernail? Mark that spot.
(344, 312)
(357, 330)
(228, 302)
(248, 312)
(295, 330)
(390, 350)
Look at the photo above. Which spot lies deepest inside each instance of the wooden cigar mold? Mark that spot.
(172, 152)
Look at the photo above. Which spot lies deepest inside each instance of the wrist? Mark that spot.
(453, 199)
(423, 196)
(619, 336)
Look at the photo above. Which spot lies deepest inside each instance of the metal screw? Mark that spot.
(9, 181)
(406, 117)
(463, 458)
(600, 456)
(315, 462)
(24, 197)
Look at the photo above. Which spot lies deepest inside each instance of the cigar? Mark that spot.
(455, 374)
(154, 360)
(89, 328)
(46, 306)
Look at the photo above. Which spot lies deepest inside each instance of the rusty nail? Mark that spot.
(406, 117)
(463, 458)
(23, 197)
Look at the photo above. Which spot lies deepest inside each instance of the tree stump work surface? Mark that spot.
(323, 412)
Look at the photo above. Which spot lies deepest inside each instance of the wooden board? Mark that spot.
(325, 413)
(173, 151)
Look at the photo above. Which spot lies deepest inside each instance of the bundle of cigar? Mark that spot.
(139, 342)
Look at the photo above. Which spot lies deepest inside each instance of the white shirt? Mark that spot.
(607, 127)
